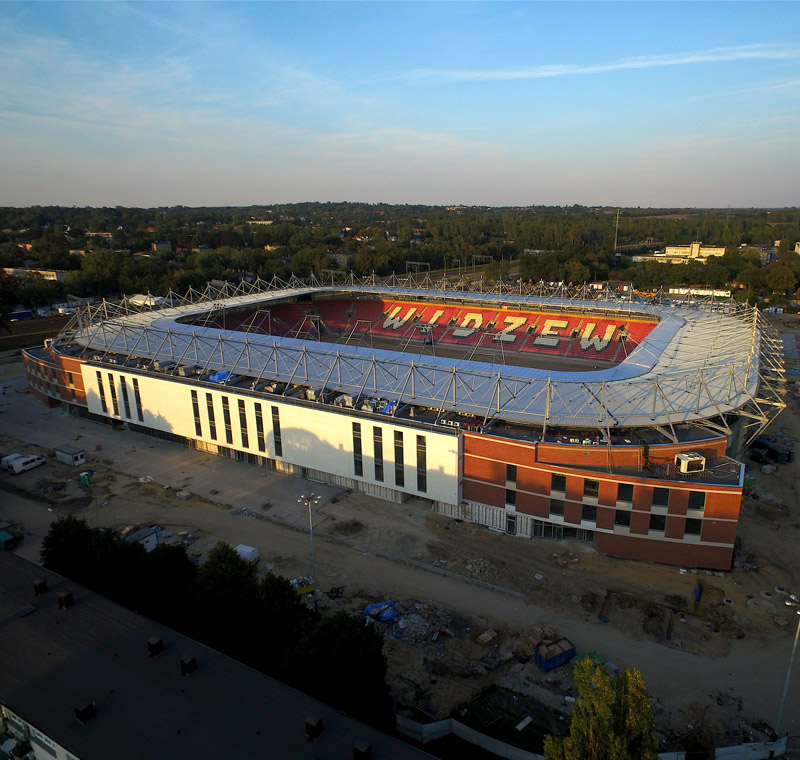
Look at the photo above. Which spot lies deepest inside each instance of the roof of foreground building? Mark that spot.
(95, 652)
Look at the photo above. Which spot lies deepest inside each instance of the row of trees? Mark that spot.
(571, 244)
(258, 621)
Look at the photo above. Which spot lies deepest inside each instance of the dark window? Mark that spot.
(377, 439)
(622, 517)
(226, 416)
(243, 424)
(589, 512)
(126, 402)
(591, 489)
(558, 483)
(556, 507)
(693, 526)
(262, 442)
(113, 386)
(658, 522)
(399, 466)
(198, 429)
(697, 500)
(212, 422)
(358, 462)
(422, 465)
(511, 497)
(661, 497)
(511, 473)
(102, 391)
(138, 400)
(276, 431)
(625, 492)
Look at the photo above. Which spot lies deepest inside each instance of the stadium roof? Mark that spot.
(54, 660)
(696, 365)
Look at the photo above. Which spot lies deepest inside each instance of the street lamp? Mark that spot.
(309, 500)
(792, 601)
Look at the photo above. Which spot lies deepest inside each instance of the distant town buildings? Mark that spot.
(54, 275)
(683, 254)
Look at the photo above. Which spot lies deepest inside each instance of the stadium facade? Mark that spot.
(539, 412)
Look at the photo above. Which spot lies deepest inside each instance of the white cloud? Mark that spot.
(712, 55)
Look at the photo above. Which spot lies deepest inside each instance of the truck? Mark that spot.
(247, 553)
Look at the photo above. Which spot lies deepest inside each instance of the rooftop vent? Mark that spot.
(362, 751)
(155, 646)
(65, 600)
(188, 665)
(313, 728)
(39, 587)
(84, 712)
(690, 461)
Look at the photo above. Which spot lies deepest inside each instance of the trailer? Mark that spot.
(71, 456)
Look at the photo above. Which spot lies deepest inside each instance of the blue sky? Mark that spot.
(493, 103)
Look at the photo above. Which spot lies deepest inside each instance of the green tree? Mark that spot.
(781, 279)
(611, 719)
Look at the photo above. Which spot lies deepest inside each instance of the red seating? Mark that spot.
(577, 335)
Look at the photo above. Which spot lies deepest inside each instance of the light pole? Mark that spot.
(309, 500)
(794, 602)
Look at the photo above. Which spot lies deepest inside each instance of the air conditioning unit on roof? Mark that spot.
(690, 461)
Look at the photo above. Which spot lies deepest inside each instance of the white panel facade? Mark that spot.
(313, 437)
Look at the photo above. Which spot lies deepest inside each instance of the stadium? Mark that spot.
(544, 412)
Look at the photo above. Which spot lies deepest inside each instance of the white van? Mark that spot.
(7, 460)
(25, 463)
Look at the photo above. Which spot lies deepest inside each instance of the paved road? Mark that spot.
(754, 671)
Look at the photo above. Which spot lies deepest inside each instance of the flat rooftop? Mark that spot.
(54, 660)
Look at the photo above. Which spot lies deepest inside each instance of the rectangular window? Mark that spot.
(661, 497)
(625, 492)
(558, 483)
(262, 441)
(422, 464)
(589, 512)
(212, 422)
(276, 431)
(198, 428)
(243, 424)
(102, 391)
(511, 497)
(399, 466)
(591, 489)
(358, 461)
(622, 517)
(556, 508)
(377, 441)
(126, 402)
(697, 500)
(658, 523)
(226, 417)
(113, 388)
(511, 473)
(693, 526)
(138, 400)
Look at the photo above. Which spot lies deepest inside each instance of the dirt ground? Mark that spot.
(454, 583)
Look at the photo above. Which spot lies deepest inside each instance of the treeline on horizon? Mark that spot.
(551, 243)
